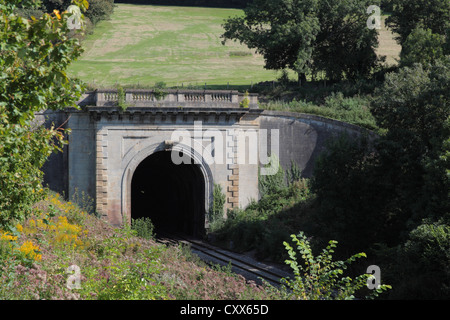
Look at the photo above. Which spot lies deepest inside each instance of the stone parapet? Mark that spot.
(169, 98)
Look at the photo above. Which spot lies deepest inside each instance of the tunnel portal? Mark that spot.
(172, 196)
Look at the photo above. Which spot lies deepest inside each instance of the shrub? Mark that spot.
(144, 227)
(422, 262)
(321, 278)
(266, 223)
(121, 97)
(26, 253)
(216, 211)
(99, 10)
(272, 183)
(245, 102)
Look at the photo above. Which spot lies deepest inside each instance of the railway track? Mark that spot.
(240, 264)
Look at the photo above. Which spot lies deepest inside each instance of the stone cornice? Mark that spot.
(141, 113)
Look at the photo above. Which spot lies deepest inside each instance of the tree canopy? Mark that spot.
(308, 36)
(428, 14)
(34, 56)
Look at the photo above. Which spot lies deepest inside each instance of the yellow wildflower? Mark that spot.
(56, 12)
(31, 251)
(6, 236)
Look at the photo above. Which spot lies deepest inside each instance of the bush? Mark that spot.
(99, 10)
(264, 225)
(422, 265)
(272, 183)
(216, 211)
(321, 278)
(144, 227)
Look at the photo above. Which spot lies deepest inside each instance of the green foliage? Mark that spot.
(121, 95)
(266, 223)
(216, 212)
(422, 263)
(96, 9)
(305, 36)
(35, 54)
(349, 193)
(143, 227)
(294, 174)
(99, 10)
(245, 102)
(136, 283)
(413, 105)
(424, 47)
(408, 15)
(83, 200)
(345, 47)
(158, 90)
(123, 270)
(285, 41)
(321, 278)
(354, 110)
(380, 193)
(272, 183)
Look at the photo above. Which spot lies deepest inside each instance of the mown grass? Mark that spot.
(181, 46)
(111, 263)
(142, 45)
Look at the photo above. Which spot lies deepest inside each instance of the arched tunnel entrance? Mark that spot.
(172, 196)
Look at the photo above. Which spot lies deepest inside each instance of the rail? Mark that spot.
(250, 269)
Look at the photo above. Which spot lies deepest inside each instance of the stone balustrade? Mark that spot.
(170, 98)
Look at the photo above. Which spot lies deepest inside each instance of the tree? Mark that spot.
(428, 14)
(345, 46)
(33, 59)
(283, 31)
(381, 193)
(350, 196)
(424, 47)
(306, 36)
(413, 106)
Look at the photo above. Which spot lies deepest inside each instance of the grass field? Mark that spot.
(178, 45)
(388, 45)
(142, 45)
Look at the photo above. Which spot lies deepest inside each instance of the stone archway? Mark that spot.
(191, 184)
(171, 195)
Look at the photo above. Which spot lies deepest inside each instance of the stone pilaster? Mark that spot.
(233, 170)
(101, 173)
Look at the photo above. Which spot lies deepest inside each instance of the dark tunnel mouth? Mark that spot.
(172, 196)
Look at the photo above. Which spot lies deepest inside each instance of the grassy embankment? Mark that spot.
(114, 263)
